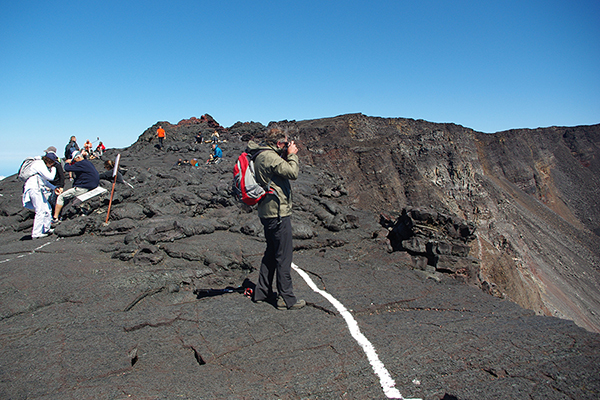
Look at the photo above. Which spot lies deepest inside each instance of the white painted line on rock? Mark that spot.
(29, 253)
(385, 379)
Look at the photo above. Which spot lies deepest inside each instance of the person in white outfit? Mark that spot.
(37, 191)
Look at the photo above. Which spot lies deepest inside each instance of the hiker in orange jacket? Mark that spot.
(160, 132)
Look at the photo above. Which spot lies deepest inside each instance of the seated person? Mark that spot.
(109, 166)
(87, 146)
(216, 155)
(86, 178)
(100, 148)
(99, 151)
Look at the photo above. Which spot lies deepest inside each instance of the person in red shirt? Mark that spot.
(99, 151)
(160, 132)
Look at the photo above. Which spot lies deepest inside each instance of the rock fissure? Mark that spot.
(141, 296)
(150, 325)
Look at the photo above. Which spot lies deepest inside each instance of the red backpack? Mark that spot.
(245, 188)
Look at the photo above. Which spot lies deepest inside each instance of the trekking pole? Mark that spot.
(112, 192)
(201, 293)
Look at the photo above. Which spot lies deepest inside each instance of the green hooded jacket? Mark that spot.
(270, 166)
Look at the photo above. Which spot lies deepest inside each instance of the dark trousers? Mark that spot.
(276, 260)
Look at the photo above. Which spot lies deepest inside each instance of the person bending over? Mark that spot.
(36, 192)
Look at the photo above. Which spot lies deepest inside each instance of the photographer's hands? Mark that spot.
(292, 148)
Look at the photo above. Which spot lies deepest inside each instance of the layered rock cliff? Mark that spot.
(532, 195)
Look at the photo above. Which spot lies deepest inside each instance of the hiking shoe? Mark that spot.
(282, 306)
(55, 221)
(43, 235)
(299, 304)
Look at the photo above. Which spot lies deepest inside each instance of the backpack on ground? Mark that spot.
(245, 188)
(26, 170)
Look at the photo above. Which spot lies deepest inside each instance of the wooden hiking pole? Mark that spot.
(112, 192)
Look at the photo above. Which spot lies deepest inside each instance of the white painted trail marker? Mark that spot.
(385, 379)
(27, 254)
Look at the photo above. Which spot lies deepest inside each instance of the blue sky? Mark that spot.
(110, 69)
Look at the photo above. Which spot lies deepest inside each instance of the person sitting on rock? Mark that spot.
(109, 166)
(86, 178)
(215, 137)
(36, 192)
(99, 151)
(87, 146)
(216, 156)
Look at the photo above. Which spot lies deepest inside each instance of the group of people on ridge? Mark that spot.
(215, 156)
(44, 190)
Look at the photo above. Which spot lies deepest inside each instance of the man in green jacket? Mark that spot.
(275, 163)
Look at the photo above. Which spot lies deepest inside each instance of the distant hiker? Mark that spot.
(275, 164)
(36, 192)
(199, 137)
(160, 132)
(216, 155)
(109, 166)
(86, 178)
(215, 137)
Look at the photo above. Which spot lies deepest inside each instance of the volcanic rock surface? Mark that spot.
(451, 248)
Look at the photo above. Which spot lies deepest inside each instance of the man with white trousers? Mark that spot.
(37, 191)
